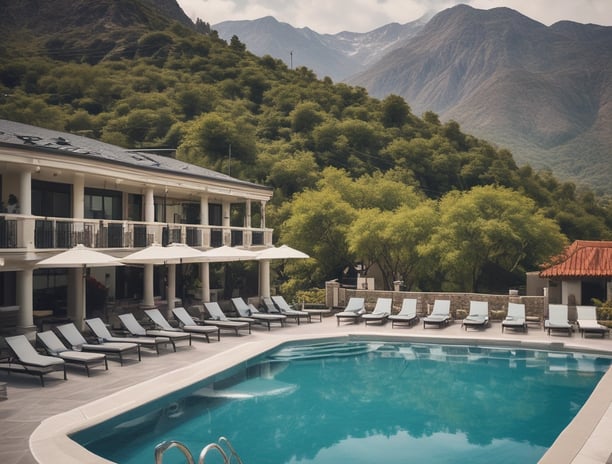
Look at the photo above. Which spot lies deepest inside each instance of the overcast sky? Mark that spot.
(331, 16)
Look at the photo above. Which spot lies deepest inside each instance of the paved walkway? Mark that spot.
(28, 404)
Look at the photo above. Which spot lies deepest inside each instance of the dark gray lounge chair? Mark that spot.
(248, 310)
(75, 339)
(220, 320)
(160, 321)
(99, 329)
(54, 346)
(128, 320)
(25, 359)
(285, 308)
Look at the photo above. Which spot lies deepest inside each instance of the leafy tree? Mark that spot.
(395, 111)
(490, 225)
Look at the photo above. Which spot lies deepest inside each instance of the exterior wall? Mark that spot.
(571, 292)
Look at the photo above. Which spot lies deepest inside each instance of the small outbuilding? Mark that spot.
(582, 272)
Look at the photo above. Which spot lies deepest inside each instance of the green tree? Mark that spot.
(490, 225)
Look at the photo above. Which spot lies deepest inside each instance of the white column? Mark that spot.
(171, 291)
(26, 238)
(78, 196)
(264, 278)
(205, 267)
(205, 277)
(25, 300)
(263, 214)
(247, 219)
(148, 298)
(225, 211)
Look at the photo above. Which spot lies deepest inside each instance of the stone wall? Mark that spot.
(535, 306)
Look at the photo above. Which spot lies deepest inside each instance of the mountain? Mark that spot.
(335, 55)
(544, 92)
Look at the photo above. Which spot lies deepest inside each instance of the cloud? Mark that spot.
(333, 16)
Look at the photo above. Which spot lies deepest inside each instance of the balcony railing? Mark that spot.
(16, 231)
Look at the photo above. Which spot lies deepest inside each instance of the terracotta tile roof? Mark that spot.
(582, 259)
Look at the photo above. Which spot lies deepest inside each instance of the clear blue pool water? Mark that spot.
(366, 402)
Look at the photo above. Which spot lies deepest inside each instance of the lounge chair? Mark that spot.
(162, 323)
(187, 322)
(353, 311)
(515, 319)
(587, 321)
(380, 313)
(128, 320)
(478, 316)
(407, 314)
(557, 319)
(25, 359)
(440, 314)
(248, 310)
(219, 319)
(54, 347)
(99, 329)
(75, 339)
(286, 309)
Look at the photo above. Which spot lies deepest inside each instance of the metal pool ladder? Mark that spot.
(223, 447)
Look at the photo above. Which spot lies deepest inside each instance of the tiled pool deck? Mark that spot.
(81, 399)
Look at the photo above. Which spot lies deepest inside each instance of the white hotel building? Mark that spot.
(74, 190)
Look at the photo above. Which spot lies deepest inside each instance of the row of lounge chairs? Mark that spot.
(478, 316)
(67, 345)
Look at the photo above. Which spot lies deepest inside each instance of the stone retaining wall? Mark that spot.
(535, 306)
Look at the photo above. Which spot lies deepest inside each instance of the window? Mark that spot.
(102, 204)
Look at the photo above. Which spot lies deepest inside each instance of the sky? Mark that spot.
(332, 16)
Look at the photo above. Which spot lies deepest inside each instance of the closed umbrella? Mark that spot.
(80, 257)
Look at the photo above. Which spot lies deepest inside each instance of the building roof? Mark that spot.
(14, 134)
(582, 259)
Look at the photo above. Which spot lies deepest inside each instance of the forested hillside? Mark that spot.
(357, 180)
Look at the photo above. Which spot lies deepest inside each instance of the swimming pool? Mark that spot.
(367, 401)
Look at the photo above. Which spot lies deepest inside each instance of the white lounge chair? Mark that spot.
(248, 310)
(557, 319)
(162, 323)
(478, 315)
(99, 329)
(380, 313)
(515, 318)
(407, 314)
(54, 347)
(219, 319)
(440, 314)
(587, 321)
(353, 311)
(286, 309)
(75, 339)
(25, 359)
(128, 320)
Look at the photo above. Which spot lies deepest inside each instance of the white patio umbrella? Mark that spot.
(80, 257)
(281, 252)
(226, 254)
(174, 253)
(273, 253)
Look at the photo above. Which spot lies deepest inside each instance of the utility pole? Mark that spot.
(291, 59)
(229, 161)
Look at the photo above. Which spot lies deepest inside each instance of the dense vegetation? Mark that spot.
(357, 180)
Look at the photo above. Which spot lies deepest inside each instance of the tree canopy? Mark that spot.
(357, 180)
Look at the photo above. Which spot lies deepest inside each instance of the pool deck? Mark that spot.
(62, 404)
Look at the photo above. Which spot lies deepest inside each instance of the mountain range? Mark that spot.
(544, 92)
